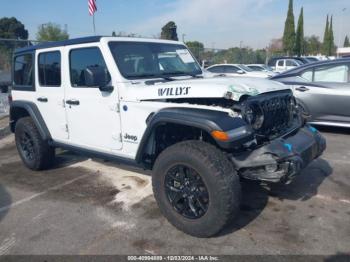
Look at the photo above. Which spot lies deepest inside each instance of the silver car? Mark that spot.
(322, 90)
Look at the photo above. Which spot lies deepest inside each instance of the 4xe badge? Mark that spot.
(130, 138)
(174, 91)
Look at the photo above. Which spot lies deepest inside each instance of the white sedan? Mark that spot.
(236, 70)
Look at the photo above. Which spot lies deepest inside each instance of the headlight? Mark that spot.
(253, 115)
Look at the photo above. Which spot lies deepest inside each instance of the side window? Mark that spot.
(335, 73)
(23, 70)
(217, 69)
(291, 63)
(256, 68)
(231, 69)
(307, 75)
(83, 61)
(49, 65)
(280, 63)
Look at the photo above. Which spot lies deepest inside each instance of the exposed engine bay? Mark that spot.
(270, 114)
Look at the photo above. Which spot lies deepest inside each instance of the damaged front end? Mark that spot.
(282, 158)
(283, 145)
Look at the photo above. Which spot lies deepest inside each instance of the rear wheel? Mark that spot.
(196, 188)
(35, 153)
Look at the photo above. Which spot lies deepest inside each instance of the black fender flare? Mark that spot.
(205, 119)
(33, 112)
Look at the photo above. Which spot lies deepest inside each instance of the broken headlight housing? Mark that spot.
(293, 109)
(253, 115)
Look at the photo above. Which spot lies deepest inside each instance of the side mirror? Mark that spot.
(241, 72)
(97, 76)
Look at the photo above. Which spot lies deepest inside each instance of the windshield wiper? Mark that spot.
(185, 74)
(165, 77)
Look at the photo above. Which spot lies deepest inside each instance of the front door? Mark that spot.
(93, 115)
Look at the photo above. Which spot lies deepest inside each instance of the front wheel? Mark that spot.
(196, 188)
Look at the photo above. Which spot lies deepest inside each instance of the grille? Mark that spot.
(276, 108)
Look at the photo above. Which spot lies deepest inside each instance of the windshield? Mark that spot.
(137, 60)
(246, 68)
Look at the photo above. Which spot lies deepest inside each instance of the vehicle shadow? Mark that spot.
(5, 201)
(333, 130)
(255, 197)
(339, 257)
(65, 158)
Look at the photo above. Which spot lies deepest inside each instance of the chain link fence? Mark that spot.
(236, 55)
(4, 105)
(7, 47)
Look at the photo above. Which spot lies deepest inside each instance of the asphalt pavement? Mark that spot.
(85, 206)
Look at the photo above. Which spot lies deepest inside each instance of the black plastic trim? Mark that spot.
(34, 113)
(207, 120)
(76, 41)
(97, 154)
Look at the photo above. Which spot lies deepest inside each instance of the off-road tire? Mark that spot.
(219, 177)
(43, 154)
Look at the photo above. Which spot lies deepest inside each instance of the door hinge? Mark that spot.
(118, 108)
(67, 130)
(120, 137)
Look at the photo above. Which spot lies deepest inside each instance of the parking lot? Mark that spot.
(85, 206)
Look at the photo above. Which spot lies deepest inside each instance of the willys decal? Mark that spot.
(174, 91)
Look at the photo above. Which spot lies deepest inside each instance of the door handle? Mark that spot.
(302, 88)
(42, 99)
(73, 102)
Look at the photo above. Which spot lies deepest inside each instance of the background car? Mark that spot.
(286, 64)
(272, 61)
(260, 67)
(322, 90)
(236, 70)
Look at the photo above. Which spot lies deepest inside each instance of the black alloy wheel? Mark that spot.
(27, 146)
(186, 191)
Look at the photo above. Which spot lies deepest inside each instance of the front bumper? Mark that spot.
(283, 158)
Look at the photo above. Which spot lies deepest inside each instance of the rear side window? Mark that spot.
(231, 69)
(280, 63)
(49, 65)
(291, 63)
(216, 69)
(83, 59)
(23, 71)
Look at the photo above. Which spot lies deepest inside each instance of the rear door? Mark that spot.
(50, 92)
(326, 94)
(93, 115)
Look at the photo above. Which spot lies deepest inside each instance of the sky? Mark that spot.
(216, 23)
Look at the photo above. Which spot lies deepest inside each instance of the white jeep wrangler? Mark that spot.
(146, 103)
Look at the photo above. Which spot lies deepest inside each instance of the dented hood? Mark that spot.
(202, 88)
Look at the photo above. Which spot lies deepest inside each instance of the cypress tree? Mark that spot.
(331, 46)
(299, 39)
(325, 37)
(346, 42)
(289, 31)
